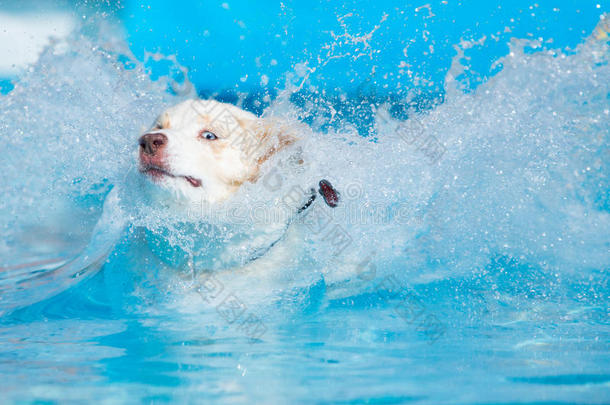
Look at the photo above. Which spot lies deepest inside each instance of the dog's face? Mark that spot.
(203, 150)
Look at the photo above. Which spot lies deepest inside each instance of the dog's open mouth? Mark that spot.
(158, 172)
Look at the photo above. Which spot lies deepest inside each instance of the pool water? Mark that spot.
(467, 262)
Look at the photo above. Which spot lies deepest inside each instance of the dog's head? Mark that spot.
(203, 150)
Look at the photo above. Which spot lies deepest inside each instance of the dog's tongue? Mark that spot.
(194, 182)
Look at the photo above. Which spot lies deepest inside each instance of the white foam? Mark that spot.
(524, 174)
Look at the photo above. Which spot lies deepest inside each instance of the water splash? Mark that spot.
(522, 174)
(69, 128)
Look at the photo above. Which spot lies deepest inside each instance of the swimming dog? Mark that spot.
(204, 151)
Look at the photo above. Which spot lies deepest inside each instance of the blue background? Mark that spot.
(222, 43)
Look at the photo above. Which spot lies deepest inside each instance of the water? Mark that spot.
(475, 272)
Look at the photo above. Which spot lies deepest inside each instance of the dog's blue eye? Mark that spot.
(208, 135)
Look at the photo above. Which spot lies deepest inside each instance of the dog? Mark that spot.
(203, 152)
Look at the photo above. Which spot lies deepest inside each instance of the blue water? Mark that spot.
(477, 214)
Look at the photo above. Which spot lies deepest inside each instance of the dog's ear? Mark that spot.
(274, 136)
(268, 136)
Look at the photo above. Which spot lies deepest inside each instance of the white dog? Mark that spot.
(203, 151)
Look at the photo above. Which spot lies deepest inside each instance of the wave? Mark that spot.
(515, 171)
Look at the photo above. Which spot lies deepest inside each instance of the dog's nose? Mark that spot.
(151, 143)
